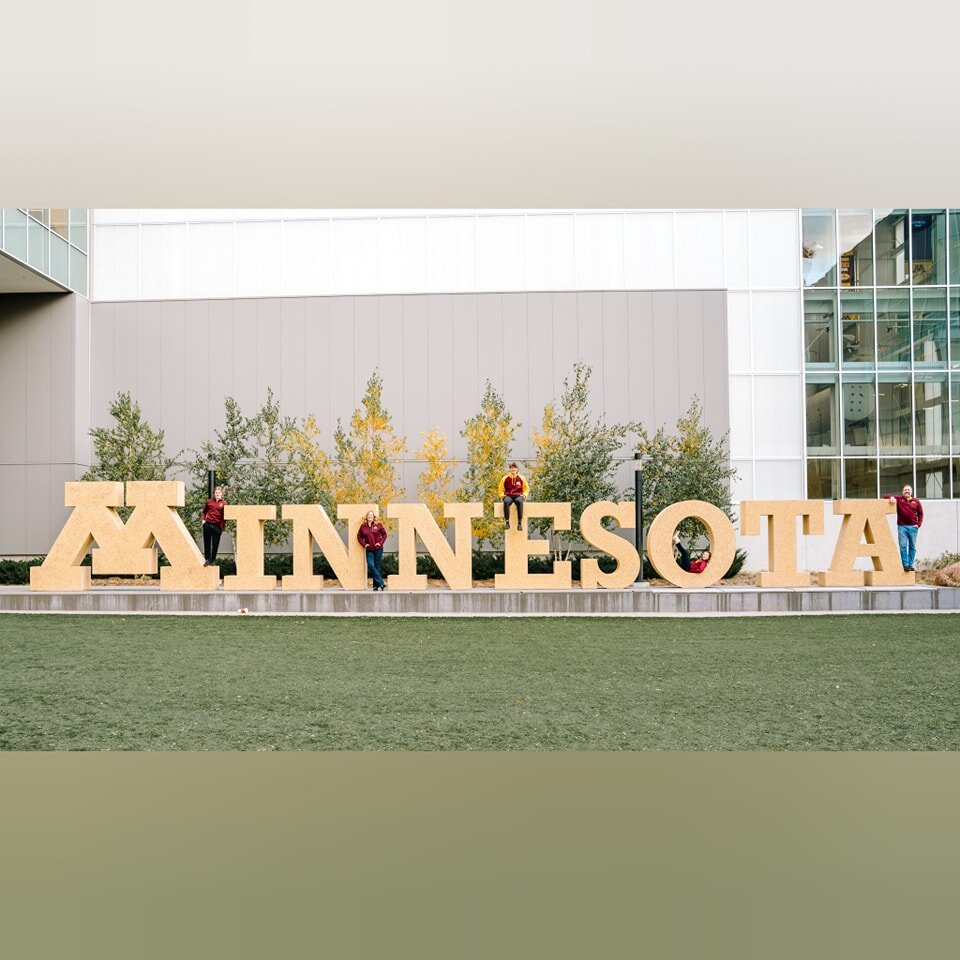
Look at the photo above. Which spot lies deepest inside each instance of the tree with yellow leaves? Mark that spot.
(363, 467)
(435, 486)
(489, 435)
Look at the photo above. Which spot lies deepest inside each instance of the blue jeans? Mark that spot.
(373, 566)
(907, 538)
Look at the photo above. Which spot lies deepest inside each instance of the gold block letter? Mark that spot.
(782, 536)
(628, 560)
(248, 547)
(94, 519)
(865, 519)
(155, 522)
(456, 565)
(723, 543)
(310, 522)
(517, 548)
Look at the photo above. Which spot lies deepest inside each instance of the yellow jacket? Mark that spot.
(520, 477)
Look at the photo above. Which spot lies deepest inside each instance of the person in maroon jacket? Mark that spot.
(372, 535)
(213, 523)
(909, 522)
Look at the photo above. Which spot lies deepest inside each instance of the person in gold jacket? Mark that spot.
(513, 488)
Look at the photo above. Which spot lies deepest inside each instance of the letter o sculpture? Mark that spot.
(723, 543)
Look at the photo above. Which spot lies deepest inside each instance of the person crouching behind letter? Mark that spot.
(513, 488)
(213, 523)
(372, 535)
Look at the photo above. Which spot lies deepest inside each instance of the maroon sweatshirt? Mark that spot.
(372, 537)
(213, 512)
(909, 512)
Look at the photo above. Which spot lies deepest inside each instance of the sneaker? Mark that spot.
(519, 526)
(506, 526)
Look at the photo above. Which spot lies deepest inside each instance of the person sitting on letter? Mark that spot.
(513, 488)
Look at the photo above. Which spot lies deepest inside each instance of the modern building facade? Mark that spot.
(827, 342)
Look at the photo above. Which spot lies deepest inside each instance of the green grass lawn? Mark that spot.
(252, 683)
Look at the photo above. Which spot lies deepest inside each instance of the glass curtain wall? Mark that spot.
(52, 241)
(881, 323)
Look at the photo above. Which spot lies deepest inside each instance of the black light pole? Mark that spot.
(638, 506)
(211, 483)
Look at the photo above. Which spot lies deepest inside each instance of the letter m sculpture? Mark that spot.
(124, 549)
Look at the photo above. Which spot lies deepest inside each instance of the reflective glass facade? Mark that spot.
(881, 326)
(52, 241)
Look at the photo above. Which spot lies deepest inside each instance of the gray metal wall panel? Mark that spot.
(173, 380)
(197, 367)
(103, 376)
(612, 387)
(366, 339)
(467, 386)
(149, 382)
(539, 357)
(245, 355)
(81, 389)
(490, 341)
(413, 419)
(391, 335)
(317, 340)
(292, 387)
(13, 381)
(640, 386)
(716, 376)
(342, 363)
(434, 353)
(13, 508)
(221, 335)
(565, 343)
(269, 362)
(37, 527)
(666, 359)
(440, 326)
(590, 340)
(36, 395)
(516, 389)
(125, 358)
(690, 346)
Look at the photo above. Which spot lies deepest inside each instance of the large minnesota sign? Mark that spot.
(131, 548)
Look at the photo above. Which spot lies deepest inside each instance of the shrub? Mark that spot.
(17, 572)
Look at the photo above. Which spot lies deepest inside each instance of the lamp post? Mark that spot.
(638, 506)
(211, 483)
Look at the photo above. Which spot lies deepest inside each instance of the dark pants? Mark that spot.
(506, 508)
(684, 556)
(373, 566)
(211, 541)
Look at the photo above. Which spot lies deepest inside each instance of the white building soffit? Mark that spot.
(17, 277)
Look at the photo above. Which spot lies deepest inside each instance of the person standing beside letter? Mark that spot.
(372, 535)
(513, 488)
(213, 523)
(909, 521)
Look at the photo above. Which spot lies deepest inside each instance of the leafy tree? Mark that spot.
(252, 464)
(435, 486)
(129, 450)
(686, 465)
(363, 468)
(575, 454)
(489, 435)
